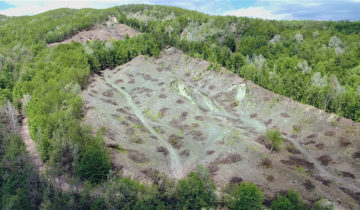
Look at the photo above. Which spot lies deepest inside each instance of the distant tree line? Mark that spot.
(314, 62)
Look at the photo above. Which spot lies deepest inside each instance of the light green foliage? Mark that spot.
(154, 117)
(323, 204)
(123, 193)
(94, 162)
(302, 170)
(19, 187)
(290, 201)
(214, 67)
(274, 136)
(195, 192)
(244, 196)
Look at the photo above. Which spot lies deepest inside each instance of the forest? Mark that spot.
(313, 62)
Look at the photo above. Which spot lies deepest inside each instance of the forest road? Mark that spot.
(59, 182)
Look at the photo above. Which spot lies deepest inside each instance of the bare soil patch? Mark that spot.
(309, 142)
(266, 162)
(295, 161)
(348, 174)
(293, 150)
(253, 115)
(101, 33)
(311, 136)
(325, 160)
(329, 133)
(235, 180)
(31, 146)
(210, 152)
(175, 141)
(309, 185)
(323, 180)
(356, 155)
(343, 142)
(320, 146)
(137, 156)
(268, 122)
(355, 196)
(185, 153)
(286, 115)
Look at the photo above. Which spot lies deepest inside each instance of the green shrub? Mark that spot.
(323, 204)
(275, 137)
(123, 193)
(192, 193)
(290, 201)
(245, 196)
(94, 162)
(98, 204)
(19, 187)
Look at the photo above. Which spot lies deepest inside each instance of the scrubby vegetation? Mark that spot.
(274, 136)
(244, 196)
(291, 201)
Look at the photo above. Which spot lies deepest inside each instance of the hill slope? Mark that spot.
(172, 113)
(197, 116)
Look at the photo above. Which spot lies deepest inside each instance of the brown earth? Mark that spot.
(101, 33)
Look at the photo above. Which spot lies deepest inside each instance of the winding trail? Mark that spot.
(31, 146)
(59, 182)
(175, 164)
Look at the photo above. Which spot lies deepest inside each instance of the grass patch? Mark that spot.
(235, 103)
(137, 141)
(152, 116)
(120, 149)
(274, 101)
(197, 78)
(275, 137)
(181, 132)
(195, 125)
(214, 67)
(232, 141)
(302, 170)
(296, 130)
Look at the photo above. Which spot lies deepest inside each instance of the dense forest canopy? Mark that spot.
(314, 62)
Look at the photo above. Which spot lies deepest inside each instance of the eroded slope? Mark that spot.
(171, 114)
(101, 33)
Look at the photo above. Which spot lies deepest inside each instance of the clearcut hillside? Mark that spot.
(156, 107)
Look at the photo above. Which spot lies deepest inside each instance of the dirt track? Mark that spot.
(30, 146)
